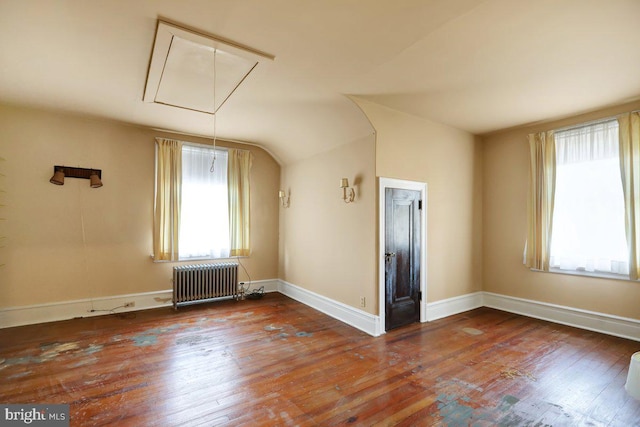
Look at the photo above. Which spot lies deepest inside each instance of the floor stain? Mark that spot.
(49, 352)
(84, 362)
(454, 413)
(93, 348)
(144, 340)
(466, 385)
(456, 410)
(19, 375)
(511, 373)
(193, 339)
(472, 331)
(507, 402)
(150, 336)
(304, 334)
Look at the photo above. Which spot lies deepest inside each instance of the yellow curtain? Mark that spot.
(239, 170)
(629, 125)
(166, 221)
(542, 178)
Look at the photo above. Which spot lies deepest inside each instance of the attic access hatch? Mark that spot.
(182, 67)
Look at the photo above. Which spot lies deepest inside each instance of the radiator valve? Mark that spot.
(242, 296)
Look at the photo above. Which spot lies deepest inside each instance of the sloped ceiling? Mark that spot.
(475, 65)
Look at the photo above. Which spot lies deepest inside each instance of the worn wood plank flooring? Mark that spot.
(278, 362)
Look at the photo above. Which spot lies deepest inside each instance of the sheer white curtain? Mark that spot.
(204, 222)
(589, 216)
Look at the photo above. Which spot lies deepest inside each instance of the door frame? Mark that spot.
(383, 184)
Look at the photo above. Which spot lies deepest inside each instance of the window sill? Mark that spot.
(594, 274)
(195, 259)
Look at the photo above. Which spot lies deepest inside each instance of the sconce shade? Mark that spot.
(348, 194)
(284, 199)
(57, 178)
(94, 180)
(61, 172)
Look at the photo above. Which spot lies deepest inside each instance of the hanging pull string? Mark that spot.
(213, 161)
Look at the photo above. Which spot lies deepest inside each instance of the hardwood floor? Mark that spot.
(277, 362)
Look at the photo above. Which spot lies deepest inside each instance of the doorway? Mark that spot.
(402, 244)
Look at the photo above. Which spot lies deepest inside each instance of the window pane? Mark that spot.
(588, 222)
(204, 221)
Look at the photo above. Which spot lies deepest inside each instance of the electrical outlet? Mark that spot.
(363, 302)
(129, 304)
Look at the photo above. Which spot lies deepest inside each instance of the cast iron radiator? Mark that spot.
(194, 284)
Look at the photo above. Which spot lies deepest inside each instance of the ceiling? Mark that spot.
(477, 65)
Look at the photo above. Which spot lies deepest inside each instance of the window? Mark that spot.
(204, 211)
(588, 231)
(200, 213)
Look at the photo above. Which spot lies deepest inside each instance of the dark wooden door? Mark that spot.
(402, 257)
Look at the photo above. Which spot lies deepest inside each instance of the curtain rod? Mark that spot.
(591, 122)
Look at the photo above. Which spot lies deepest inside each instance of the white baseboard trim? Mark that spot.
(271, 285)
(450, 306)
(590, 320)
(359, 319)
(593, 321)
(64, 310)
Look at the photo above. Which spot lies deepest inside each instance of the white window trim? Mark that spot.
(594, 274)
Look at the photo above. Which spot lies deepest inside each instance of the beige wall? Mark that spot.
(506, 165)
(476, 213)
(449, 161)
(326, 246)
(45, 256)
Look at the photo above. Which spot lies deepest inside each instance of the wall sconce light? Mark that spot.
(348, 193)
(58, 177)
(60, 172)
(284, 199)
